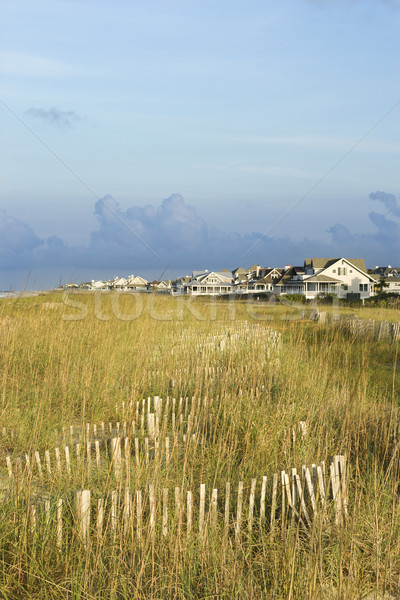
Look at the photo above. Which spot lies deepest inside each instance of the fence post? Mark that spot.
(152, 509)
(83, 506)
(274, 495)
(137, 450)
(114, 512)
(283, 498)
(9, 467)
(343, 479)
(321, 485)
(59, 524)
(97, 449)
(88, 455)
(239, 510)
(214, 506)
(127, 509)
(338, 482)
(178, 508)
(294, 491)
(202, 507)
(251, 503)
(262, 499)
(227, 501)
(116, 456)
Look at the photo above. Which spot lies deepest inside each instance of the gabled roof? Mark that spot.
(324, 263)
(270, 271)
(120, 281)
(239, 270)
(202, 277)
(137, 280)
(385, 271)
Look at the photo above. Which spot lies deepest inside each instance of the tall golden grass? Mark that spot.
(82, 358)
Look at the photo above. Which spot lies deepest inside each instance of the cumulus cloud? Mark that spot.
(55, 116)
(389, 201)
(17, 241)
(141, 238)
(383, 245)
(173, 225)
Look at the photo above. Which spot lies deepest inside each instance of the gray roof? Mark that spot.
(323, 263)
(316, 278)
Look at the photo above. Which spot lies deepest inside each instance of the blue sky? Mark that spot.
(201, 123)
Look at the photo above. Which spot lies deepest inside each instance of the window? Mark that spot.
(345, 286)
(363, 287)
(342, 271)
(334, 270)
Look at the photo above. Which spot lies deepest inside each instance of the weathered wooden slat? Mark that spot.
(274, 498)
(83, 511)
(213, 509)
(59, 530)
(202, 507)
(251, 504)
(239, 511)
(262, 499)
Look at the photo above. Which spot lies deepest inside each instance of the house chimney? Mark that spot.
(286, 268)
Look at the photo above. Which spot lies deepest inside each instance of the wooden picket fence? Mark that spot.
(362, 328)
(246, 510)
(116, 455)
(119, 448)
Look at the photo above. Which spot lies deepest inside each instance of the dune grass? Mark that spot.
(82, 358)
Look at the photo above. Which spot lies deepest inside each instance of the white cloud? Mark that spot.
(142, 238)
